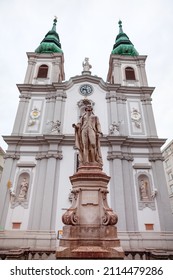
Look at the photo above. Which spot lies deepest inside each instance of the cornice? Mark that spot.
(156, 157)
(35, 88)
(45, 55)
(57, 155)
(128, 58)
(61, 139)
(12, 155)
(84, 79)
(119, 155)
(135, 90)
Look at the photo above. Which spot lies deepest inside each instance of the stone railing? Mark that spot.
(29, 254)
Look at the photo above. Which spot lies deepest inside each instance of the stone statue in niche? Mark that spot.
(144, 190)
(87, 133)
(23, 189)
(86, 65)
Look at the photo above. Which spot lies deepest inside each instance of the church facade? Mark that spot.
(35, 188)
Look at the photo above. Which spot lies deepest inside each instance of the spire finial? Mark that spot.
(120, 26)
(54, 23)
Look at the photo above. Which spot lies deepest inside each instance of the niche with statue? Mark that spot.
(20, 194)
(145, 191)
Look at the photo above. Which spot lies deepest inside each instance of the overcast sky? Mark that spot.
(87, 28)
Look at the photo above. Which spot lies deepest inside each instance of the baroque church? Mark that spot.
(35, 188)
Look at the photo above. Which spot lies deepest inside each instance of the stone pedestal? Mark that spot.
(89, 230)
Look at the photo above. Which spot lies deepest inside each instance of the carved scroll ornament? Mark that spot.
(109, 218)
(70, 217)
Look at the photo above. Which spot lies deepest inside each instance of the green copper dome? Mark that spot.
(51, 42)
(123, 46)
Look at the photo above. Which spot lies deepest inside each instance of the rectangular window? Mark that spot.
(149, 226)
(16, 225)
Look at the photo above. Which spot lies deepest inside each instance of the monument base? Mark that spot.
(89, 242)
(89, 230)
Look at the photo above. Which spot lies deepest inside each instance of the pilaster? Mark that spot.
(30, 70)
(117, 189)
(162, 197)
(37, 197)
(8, 175)
(149, 116)
(59, 106)
(21, 114)
(129, 195)
(46, 213)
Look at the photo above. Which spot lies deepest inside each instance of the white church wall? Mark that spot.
(71, 108)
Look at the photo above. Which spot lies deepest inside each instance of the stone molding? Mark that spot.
(119, 155)
(12, 156)
(57, 155)
(156, 158)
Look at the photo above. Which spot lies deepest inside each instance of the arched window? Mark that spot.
(130, 73)
(42, 71)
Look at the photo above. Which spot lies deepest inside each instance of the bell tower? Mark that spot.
(28, 200)
(134, 153)
(126, 66)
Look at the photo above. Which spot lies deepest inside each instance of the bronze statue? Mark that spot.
(87, 133)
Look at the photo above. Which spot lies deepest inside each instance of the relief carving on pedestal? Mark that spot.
(70, 217)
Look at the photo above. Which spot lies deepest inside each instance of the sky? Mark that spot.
(87, 28)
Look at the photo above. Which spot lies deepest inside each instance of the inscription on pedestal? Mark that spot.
(90, 197)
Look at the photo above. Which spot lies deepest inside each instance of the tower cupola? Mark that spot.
(123, 46)
(51, 42)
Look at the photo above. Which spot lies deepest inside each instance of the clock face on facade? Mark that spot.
(86, 90)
